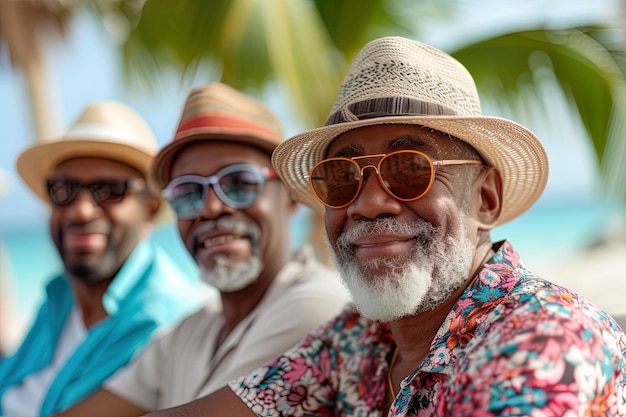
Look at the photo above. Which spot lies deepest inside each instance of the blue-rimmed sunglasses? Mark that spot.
(237, 186)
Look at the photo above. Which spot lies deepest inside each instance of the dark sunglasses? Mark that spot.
(237, 186)
(63, 191)
(405, 175)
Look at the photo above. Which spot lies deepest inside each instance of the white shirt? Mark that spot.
(180, 367)
(26, 399)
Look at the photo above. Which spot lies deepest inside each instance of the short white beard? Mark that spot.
(230, 278)
(421, 281)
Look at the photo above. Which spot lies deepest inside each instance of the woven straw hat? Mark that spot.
(398, 80)
(219, 112)
(106, 129)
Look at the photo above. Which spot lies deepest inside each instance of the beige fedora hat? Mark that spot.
(219, 112)
(403, 81)
(107, 129)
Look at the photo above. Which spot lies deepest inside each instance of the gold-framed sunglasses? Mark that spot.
(406, 175)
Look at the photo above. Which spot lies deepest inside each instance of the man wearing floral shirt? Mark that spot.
(413, 177)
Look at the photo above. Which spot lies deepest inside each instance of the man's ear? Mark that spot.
(293, 205)
(489, 204)
(154, 203)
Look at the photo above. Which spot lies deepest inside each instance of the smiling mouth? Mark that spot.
(216, 241)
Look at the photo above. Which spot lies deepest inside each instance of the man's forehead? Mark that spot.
(207, 157)
(390, 137)
(238, 151)
(94, 168)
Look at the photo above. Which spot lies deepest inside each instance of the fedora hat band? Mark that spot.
(225, 124)
(387, 106)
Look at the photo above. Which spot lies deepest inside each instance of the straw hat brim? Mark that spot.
(162, 165)
(39, 162)
(510, 147)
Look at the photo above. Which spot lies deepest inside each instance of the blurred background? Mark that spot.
(556, 66)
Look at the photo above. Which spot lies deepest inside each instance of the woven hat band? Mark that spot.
(387, 106)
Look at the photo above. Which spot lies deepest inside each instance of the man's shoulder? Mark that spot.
(307, 275)
(536, 303)
(159, 289)
(349, 327)
(315, 284)
(534, 288)
(167, 275)
(197, 323)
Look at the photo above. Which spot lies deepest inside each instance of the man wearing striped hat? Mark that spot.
(233, 217)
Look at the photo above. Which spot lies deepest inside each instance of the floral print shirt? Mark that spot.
(513, 344)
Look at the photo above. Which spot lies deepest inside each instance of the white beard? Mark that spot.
(386, 289)
(225, 276)
(231, 278)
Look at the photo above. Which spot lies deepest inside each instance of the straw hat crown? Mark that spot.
(219, 112)
(395, 80)
(105, 129)
(427, 75)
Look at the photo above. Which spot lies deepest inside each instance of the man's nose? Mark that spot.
(84, 206)
(373, 200)
(213, 206)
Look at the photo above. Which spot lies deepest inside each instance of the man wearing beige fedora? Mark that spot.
(412, 177)
(233, 217)
(117, 287)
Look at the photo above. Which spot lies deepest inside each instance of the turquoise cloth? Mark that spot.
(148, 292)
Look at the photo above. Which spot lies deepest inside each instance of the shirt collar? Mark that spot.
(489, 287)
(132, 271)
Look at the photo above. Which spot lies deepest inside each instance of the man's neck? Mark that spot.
(413, 335)
(238, 305)
(89, 299)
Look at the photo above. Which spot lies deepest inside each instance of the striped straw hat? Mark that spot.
(399, 80)
(219, 112)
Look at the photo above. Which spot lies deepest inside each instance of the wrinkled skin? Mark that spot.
(439, 218)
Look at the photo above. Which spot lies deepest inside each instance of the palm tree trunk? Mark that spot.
(23, 35)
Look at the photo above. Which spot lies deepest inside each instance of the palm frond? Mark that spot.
(586, 70)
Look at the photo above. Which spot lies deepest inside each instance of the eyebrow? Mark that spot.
(348, 151)
(395, 144)
(407, 141)
(92, 180)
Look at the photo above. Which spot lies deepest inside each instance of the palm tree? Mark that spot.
(583, 62)
(25, 27)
